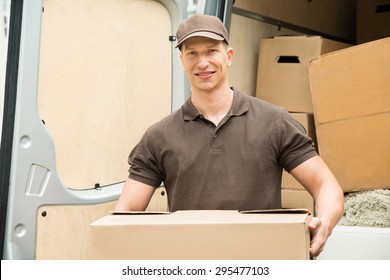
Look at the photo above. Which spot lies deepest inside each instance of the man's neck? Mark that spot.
(213, 105)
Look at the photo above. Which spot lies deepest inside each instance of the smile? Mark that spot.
(205, 74)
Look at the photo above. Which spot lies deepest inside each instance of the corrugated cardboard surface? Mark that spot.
(351, 83)
(351, 99)
(203, 234)
(287, 84)
(358, 151)
(297, 199)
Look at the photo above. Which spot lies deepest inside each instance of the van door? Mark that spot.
(84, 80)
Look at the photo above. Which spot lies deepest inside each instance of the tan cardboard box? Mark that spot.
(307, 120)
(372, 20)
(282, 77)
(297, 199)
(159, 200)
(289, 182)
(351, 96)
(358, 151)
(202, 235)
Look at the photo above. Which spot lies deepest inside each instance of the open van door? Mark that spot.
(84, 80)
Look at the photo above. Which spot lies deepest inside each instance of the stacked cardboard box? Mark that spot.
(283, 73)
(283, 79)
(351, 97)
(294, 194)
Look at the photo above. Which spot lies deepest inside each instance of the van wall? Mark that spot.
(333, 17)
(102, 83)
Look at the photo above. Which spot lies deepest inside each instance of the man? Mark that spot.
(224, 149)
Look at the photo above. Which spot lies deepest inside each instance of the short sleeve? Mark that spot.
(144, 163)
(295, 146)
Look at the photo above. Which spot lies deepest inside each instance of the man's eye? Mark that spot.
(212, 51)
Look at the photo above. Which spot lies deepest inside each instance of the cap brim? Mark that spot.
(201, 34)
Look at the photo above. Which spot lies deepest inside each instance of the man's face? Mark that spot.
(206, 62)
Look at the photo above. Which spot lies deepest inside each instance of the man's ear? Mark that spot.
(230, 53)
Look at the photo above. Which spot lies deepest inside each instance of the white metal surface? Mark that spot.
(357, 243)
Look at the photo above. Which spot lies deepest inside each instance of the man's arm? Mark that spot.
(328, 196)
(135, 196)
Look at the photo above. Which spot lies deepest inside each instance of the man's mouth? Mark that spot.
(205, 74)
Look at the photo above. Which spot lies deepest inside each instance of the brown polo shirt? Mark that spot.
(235, 165)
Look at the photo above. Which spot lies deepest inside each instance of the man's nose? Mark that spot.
(203, 61)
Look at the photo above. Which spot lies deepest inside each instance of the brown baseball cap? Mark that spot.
(203, 26)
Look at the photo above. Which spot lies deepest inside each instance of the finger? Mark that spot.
(314, 223)
(316, 249)
(316, 245)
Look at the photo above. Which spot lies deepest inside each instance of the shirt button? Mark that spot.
(210, 125)
(215, 135)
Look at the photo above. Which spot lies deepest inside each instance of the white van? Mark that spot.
(84, 80)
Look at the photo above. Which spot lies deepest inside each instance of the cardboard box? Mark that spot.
(282, 77)
(372, 20)
(351, 100)
(297, 199)
(307, 120)
(159, 200)
(358, 151)
(202, 235)
(289, 182)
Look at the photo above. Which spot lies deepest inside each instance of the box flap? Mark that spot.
(297, 37)
(278, 211)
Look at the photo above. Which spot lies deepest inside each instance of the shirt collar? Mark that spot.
(239, 107)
